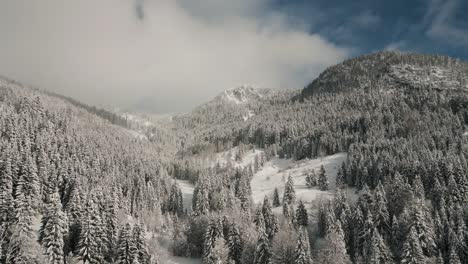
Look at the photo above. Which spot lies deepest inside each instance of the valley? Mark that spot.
(366, 164)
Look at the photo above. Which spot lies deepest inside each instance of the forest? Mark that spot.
(78, 187)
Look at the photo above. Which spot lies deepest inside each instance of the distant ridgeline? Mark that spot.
(107, 115)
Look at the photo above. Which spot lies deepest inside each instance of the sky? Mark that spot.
(165, 56)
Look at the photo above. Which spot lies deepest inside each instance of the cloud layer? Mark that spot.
(156, 55)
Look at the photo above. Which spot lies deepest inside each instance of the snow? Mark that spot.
(248, 158)
(137, 134)
(186, 188)
(465, 134)
(167, 258)
(249, 115)
(275, 172)
(241, 94)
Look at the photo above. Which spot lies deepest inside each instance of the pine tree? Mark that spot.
(424, 228)
(218, 254)
(126, 247)
(53, 231)
(412, 252)
(276, 199)
(90, 243)
(379, 211)
(286, 211)
(289, 196)
(311, 179)
(302, 251)
(139, 242)
(271, 223)
(301, 214)
(322, 179)
(214, 231)
(378, 253)
(340, 179)
(262, 252)
(235, 245)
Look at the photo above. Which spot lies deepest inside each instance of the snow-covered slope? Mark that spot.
(275, 172)
(247, 158)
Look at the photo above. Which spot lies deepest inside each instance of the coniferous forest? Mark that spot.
(366, 164)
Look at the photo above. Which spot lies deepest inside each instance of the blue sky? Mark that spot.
(425, 26)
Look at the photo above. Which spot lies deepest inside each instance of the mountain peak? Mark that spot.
(241, 94)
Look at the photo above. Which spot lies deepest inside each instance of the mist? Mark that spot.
(157, 56)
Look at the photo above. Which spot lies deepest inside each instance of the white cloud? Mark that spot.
(169, 56)
(439, 15)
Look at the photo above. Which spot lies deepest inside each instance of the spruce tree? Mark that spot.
(301, 214)
(53, 231)
(139, 242)
(378, 252)
(302, 251)
(322, 179)
(271, 222)
(276, 199)
(262, 251)
(235, 245)
(412, 252)
(90, 243)
(126, 247)
(289, 196)
(379, 211)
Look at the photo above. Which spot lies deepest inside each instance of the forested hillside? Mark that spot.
(367, 164)
(75, 173)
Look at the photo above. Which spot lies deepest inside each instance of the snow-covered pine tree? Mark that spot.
(412, 252)
(340, 179)
(139, 242)
(302, 251)
(271, 222)
(380, 213)
(214, 231)
(378, 252)
(276, 199)
(262, 251)
(234, 243)
(311, 179)
(323, 179)
(90, 242)
(289, 196)
(301, 214)
(53, 230)
(126, 247)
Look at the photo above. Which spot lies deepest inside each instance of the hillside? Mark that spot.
(58, 158)
(389, 70)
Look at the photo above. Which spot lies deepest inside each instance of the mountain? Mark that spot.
(376, 148)
(242, 94)
(391, 70)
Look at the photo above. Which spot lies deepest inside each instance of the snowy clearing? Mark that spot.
(248, 158)
(187, 193)
(275, 172)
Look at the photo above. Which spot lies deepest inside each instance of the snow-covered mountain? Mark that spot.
(392, 70)
(243, 94)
